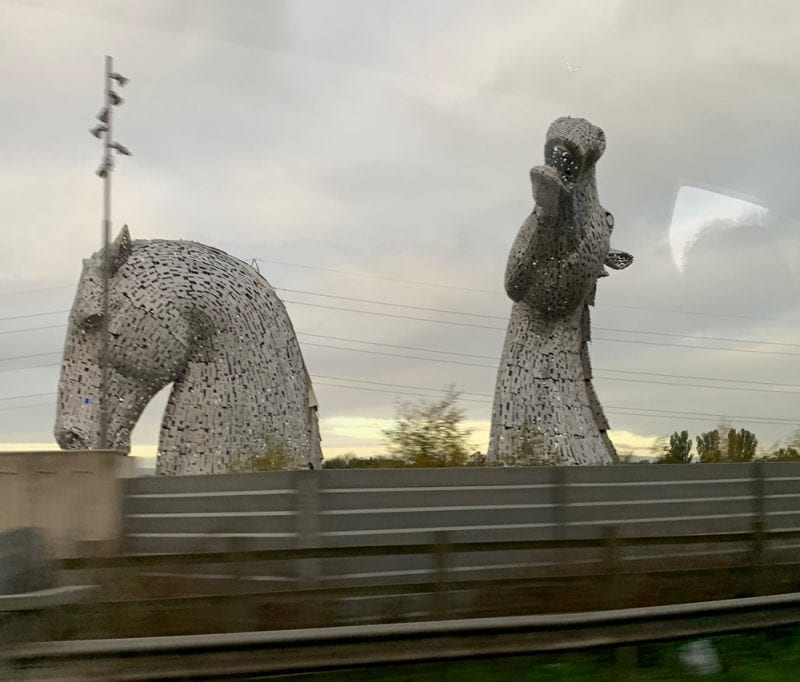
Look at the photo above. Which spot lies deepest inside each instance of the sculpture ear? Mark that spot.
(120, 249)
(618, 260)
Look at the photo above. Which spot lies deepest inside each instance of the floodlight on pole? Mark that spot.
(103, 131)
(122, 149)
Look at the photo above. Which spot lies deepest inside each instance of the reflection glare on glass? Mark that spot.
(697, 211)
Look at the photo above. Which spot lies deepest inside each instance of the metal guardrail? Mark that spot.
(241, 587)
(251, 653)
(755, 538)
(44, 599)
(335, 548)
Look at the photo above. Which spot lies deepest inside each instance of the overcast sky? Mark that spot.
(394, 139)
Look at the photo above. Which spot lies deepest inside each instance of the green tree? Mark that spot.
(789, 452)
(785, 454)
(741, 446)
(660, 446)
(709, 450)
(678, 450)
(351, 461)
(476, 459)
(626, 457)
(793, 441)
(428, 433)
(276, 457)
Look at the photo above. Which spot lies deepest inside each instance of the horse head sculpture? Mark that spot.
(193, 316)
(544, 399)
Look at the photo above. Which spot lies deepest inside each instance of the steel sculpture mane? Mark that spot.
(191, 315)
(545, 407)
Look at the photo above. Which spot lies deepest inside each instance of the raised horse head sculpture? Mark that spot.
(193, 316)
(545, 407)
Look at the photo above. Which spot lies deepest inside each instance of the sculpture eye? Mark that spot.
(609, 220)
(91, 322)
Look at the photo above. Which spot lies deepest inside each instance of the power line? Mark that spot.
(505, 318)
(32, 329)
(499, 293)
(479, 326)
(393, 305)
(663, 414)
(691, 312)
(657, 412)
(469, 364)
(391, 345)
(478, 356)
(458, 288)
(472, 364)
(683, 345)
(381, 277)
(379, 390)
(699, 378)
(703, 414)
(640, 381)
(599, 369)
(650, 382)
(402, 317)
(20, 369)
(596, 338)
(25, 317)
(25, 357)
(618, 413)
(383, 383)
(612, 409)
(694, 336)
(395, 355)
(30, 395)
(35, 291)
(26, 407)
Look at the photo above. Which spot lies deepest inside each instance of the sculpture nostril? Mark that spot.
(70, 440)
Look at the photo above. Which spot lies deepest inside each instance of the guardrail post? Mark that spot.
(441, 541)
(306, 491)
(235, 546)
(625, 658)
(612, 566)
(758, 526)
(245, 618)
(558, 497)
(558, 517)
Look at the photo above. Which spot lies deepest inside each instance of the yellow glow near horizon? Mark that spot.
(627, 440)
(136, 450)
(28, 447)
(363, 437)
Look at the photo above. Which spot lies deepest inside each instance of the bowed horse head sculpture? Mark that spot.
(189, 315)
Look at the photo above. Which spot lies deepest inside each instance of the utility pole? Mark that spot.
(103, 131)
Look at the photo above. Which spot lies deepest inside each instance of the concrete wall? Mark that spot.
(72, 497)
